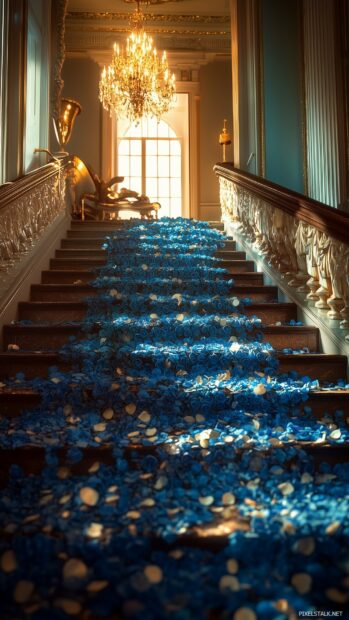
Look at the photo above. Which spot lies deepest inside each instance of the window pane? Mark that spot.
(125, 182)
(176, 188)
(135, 131)
(136, 166)
(152, 188)
(136, 147)
(136, 184)
(165, 207)
(124, 147)
(164, 147)
(175, 166)
(176, 206)
(164, 187)
(164, 167)
(152, 147)
(151, 166)
(175, 147)
(124, 166)
(152, 128)
(163, 130)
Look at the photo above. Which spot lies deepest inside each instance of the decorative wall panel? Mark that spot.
(321, 101)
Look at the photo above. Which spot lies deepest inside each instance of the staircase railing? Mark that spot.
(28, 206)
(305, 240)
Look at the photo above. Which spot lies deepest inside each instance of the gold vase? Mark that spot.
(68, 111)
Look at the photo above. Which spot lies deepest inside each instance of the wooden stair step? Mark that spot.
(13, 401)
(95, 250)
(81, 244)
(77, 253)
(32, 458)
(98, 225)
(77, 263)
(83, 275)
(328, 401)
(81, 259)
(75, 292)
(234, 266)
(245, 278)
(52, 311)
(216, 225)
(98, 234)
(32, 364)
(61, 292)
(51, 337)
(269, 313)
(230, 255)
(298, 337)
(87, 233)
(325, 368)
(61, 276)
(39, 337)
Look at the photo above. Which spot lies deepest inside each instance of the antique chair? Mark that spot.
(103, 203)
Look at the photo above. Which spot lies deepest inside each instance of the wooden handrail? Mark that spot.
(10, 192)
(333, 222)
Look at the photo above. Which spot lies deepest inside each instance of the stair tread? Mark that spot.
(69, 285)
(90, 271)
(81, 304)
(76, 326)
(108, 449)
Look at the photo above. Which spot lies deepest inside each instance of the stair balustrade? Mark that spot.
(306, 241)
(28, 206)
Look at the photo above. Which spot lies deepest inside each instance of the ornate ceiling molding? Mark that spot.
(81, 42)
(151, 1)
(166, 31)
(94, 29)
(148, 17)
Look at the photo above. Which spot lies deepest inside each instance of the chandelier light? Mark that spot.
(138, 82)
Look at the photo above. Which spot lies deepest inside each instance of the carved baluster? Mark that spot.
(336, 266)
(282, 257)
(324, 291)
(312, 265)
(302, 275)
(344, 324)
(289, 237)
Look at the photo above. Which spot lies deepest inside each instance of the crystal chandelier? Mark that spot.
(138, 82)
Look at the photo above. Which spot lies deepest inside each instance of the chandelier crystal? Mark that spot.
(138, 82)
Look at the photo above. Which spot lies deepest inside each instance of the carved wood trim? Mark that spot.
(10, 192)
(28, 207)
(326, 219)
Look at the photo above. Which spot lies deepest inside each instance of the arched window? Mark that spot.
(149, 157)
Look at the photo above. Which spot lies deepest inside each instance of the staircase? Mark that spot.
(59, 299)
(32, 348)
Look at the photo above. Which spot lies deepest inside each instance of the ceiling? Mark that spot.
(208, 7)
(92, 26)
